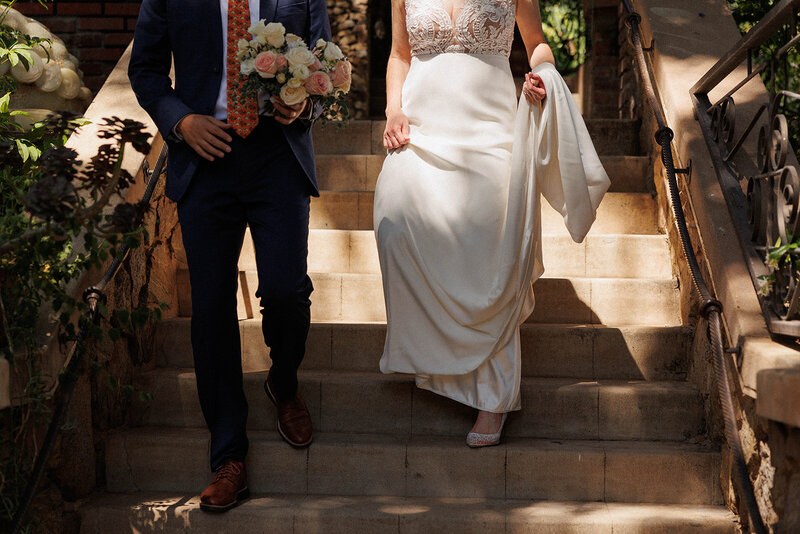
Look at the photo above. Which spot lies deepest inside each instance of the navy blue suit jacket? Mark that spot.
(190, 32)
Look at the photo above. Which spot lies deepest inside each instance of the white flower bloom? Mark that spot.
(293, 95)
(300, 56)
(320, 43)
(300, 71)
(259, 28)
(332, 52)
(294, 40)
(281, 78)
(764, 287)
(274, 32)
(248, 67)
(294, 83)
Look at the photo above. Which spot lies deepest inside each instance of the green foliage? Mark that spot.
(565, 29)
(54, 226)
(786, 72)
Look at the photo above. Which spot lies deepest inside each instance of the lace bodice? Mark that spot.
(481, 27)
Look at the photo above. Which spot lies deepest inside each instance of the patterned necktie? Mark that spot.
(242, 110)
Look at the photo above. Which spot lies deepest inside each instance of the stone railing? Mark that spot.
(147, 279)
(689, 37)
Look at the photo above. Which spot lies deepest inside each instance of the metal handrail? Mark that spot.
(93, 296)
(711, 308)
(760, 215)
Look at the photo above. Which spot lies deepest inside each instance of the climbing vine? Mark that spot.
(55, 225)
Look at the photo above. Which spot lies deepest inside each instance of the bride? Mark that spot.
(457, 201)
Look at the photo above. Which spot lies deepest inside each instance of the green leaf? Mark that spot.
(114, 334)
(97, 332)
(124, 317)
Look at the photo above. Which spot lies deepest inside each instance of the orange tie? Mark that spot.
(242, 110)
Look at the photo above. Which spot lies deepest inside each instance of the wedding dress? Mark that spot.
(457, 210)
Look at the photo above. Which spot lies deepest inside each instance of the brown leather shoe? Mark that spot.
(228, 490)
(294, 421)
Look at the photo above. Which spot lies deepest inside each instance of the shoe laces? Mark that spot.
(228, 471)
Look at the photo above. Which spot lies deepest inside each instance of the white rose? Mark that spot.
(300, 71)
(332, 52)
(259, 28)
(320, 43)
(294, 83)
(248, 67)
(300, 56)
(259, 32)
(293, 41)
(281, 77)
(244, 48)
(293, 95)
(274, 32)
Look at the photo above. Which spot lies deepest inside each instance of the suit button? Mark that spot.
(215, 69)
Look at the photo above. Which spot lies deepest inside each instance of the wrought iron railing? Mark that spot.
(710, 308)
(762, 192)
(93, 296)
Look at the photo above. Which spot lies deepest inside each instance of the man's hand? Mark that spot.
(286, 114)
(206, 135)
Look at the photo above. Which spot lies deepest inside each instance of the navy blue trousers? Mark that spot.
(260, 184)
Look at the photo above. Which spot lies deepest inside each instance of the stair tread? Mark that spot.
(152, 433)
(175, 459)
(167, 511)
(343, 375)
(523, 326)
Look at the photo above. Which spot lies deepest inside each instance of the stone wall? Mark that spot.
(350, 29)
(95, 31)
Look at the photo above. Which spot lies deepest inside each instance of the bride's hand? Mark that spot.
(533, 88)
(396, 133)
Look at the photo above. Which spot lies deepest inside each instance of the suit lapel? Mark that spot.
(269, 9)
(213, 15)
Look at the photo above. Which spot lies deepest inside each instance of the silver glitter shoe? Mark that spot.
(476, 441)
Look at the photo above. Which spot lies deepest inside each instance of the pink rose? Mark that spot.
(317, 65)
(281, 61)
(318, 83)
(266, 64)
(341, 76)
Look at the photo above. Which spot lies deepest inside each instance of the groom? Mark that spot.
(231, 166)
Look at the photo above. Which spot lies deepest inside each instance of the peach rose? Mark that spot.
(341, 76)
(317, 65)
(265, 64)
(318, 83)
(293, 95)
(281, 62)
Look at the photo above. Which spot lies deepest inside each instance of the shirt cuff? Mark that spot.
(174, 132)
(308, 113)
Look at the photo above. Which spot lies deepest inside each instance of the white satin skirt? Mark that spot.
(457, 278)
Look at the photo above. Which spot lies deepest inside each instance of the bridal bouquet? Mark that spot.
(282, 65)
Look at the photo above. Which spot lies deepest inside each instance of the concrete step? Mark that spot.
(359, 298)
(177, 513)
(175, 460)
(610, 137)
(599, 256)
(548, 351)
(554, 408)
(359, 172)
(619, 213)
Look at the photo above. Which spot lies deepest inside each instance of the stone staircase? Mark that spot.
(611, 437)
